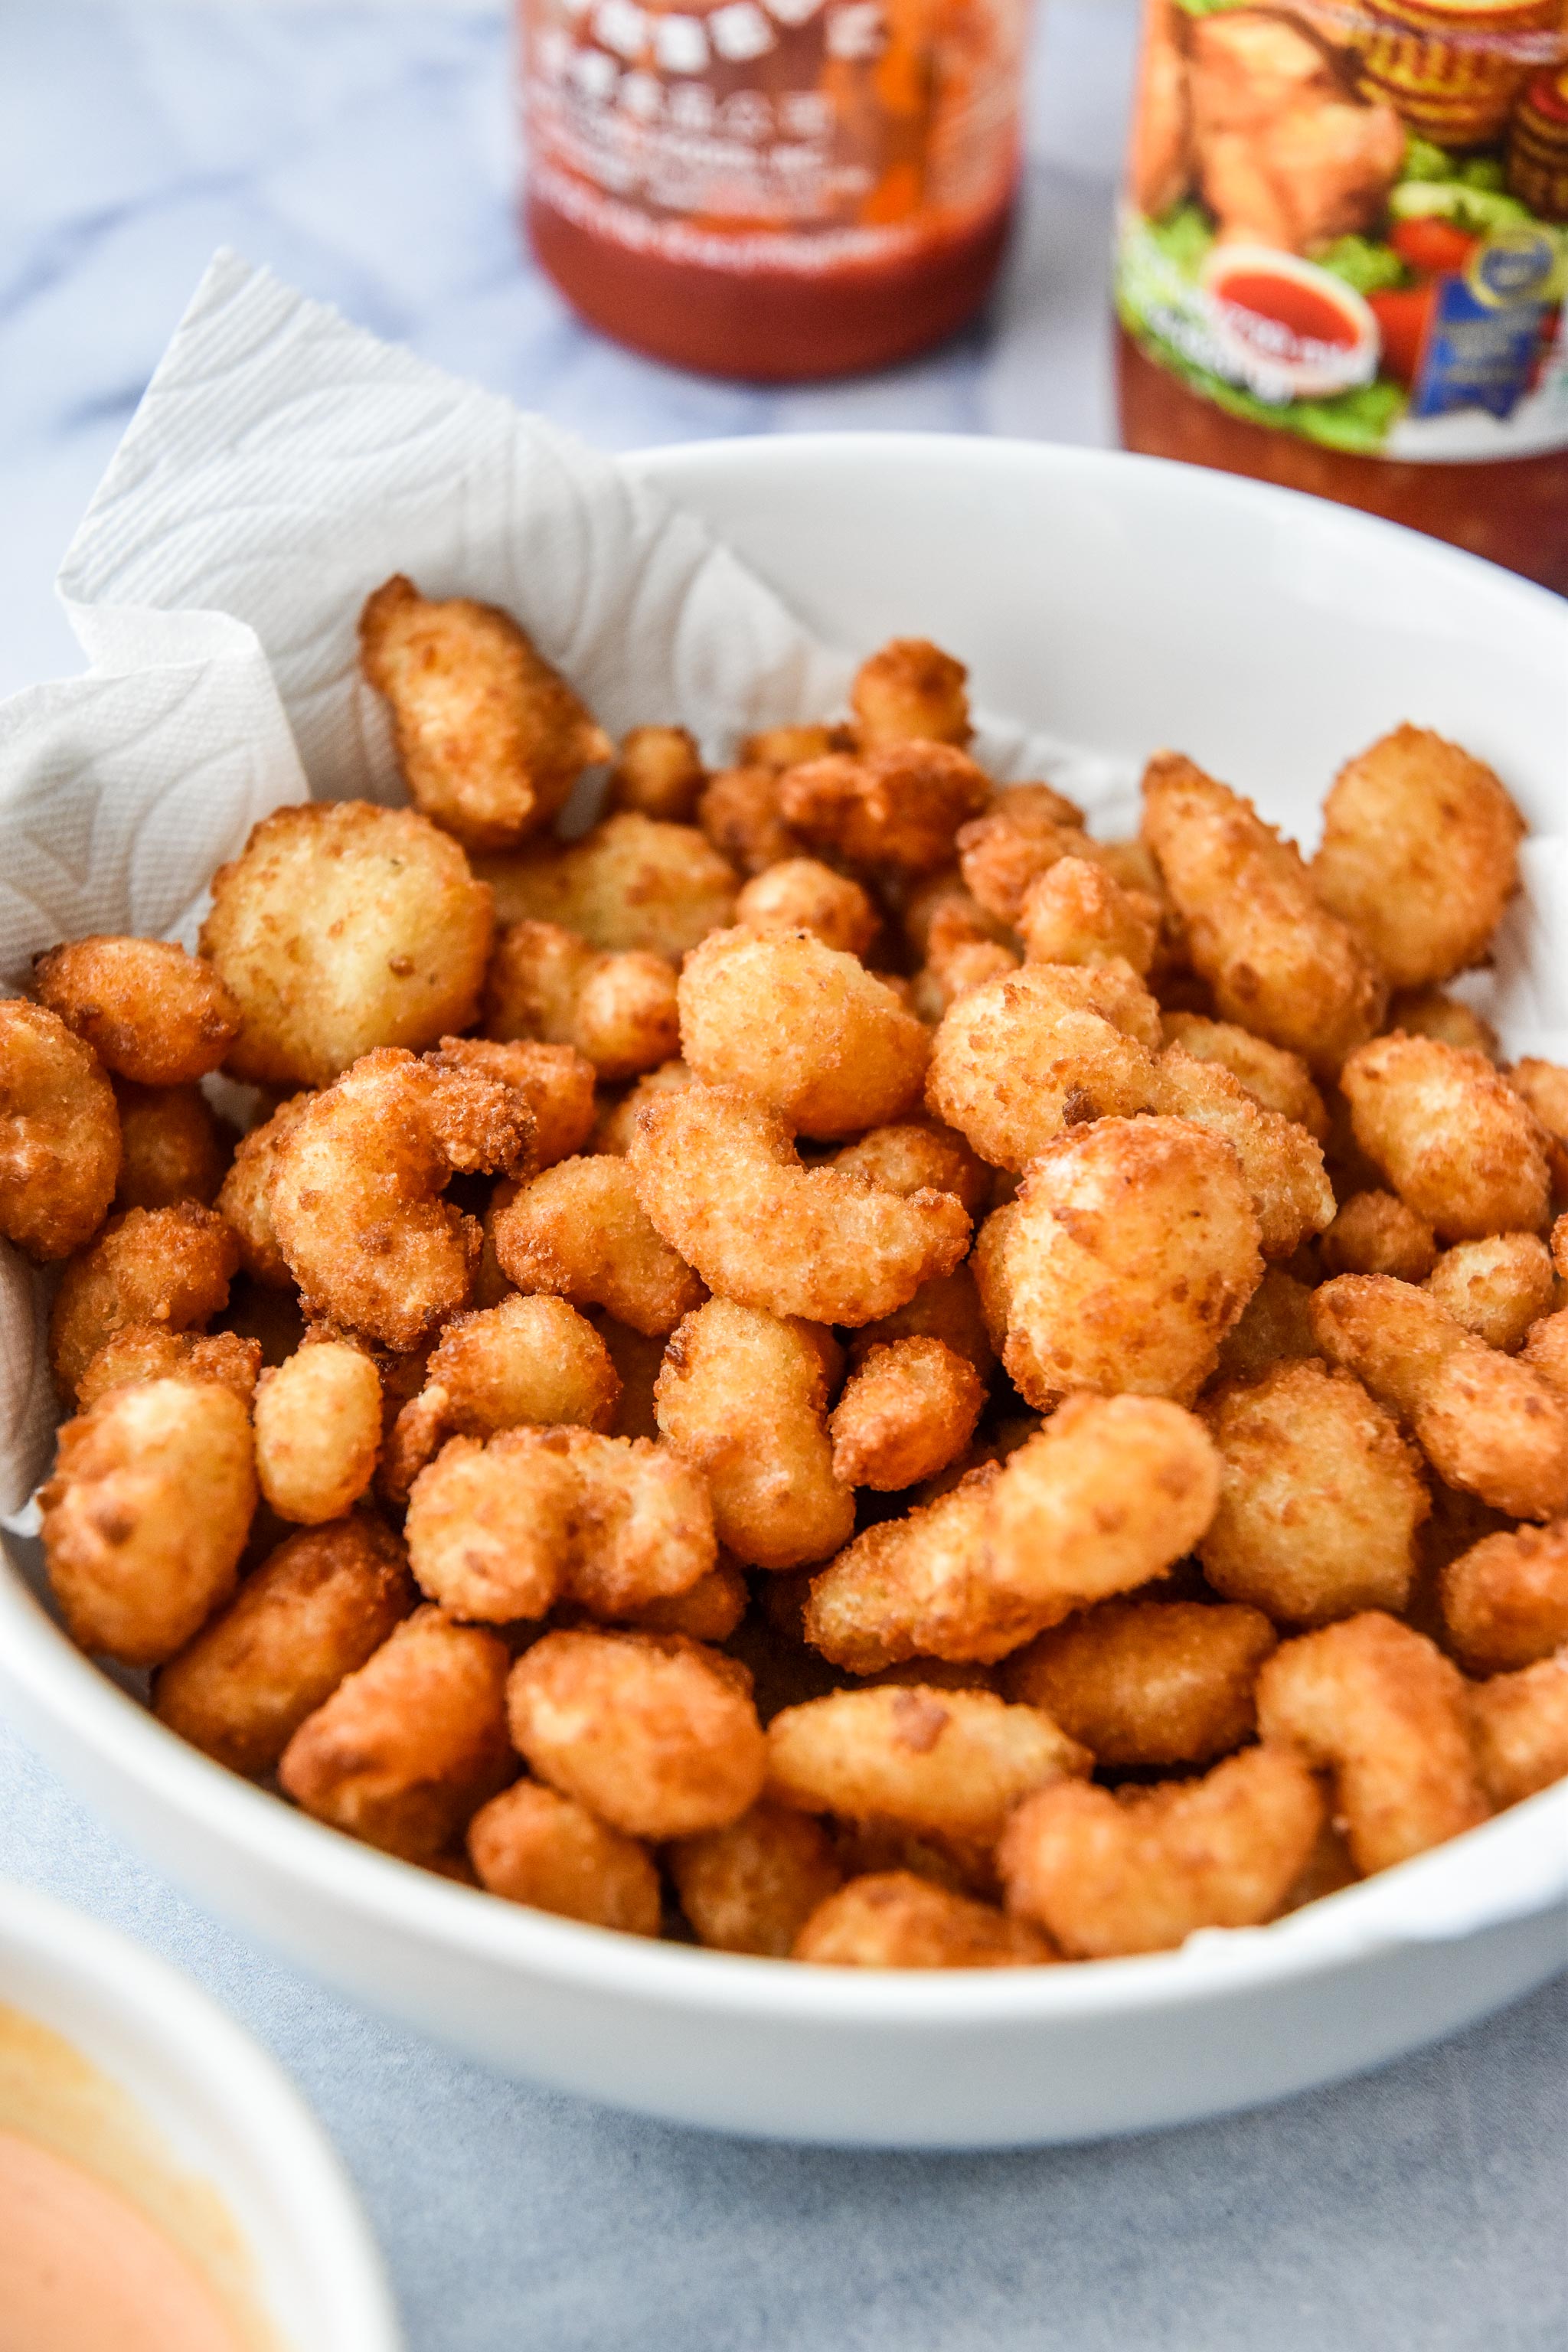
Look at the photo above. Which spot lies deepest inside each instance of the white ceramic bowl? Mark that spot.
(225, 2114)
(1118, 602)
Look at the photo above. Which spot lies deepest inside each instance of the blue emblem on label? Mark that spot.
(1481, 345)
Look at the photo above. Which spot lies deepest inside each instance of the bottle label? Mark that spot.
(777, 134)
(1351, 221)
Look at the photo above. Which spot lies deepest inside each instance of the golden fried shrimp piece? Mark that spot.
(151, 1351)
(891, 1919)
(779, 747)
(1275, 1326)
(946, 1309)
(1505, 1600)
(1319, 1498)
(898, 805)
(342, 927)
(1019, 838)
(1428, 1012)
(720, 1177)
(150, 1012)
(952, 1761)
(1454, 1141)
(915, 1587)
(801, 1027)
(1130, 1252)
(169, 1267)
(631, 886)
(60, 1134)
(1382, 1709)
(753, 1886)
(1032, 1052)
(618, 1010)
(801, 894)
(1077, 912)
(317, 1431)
(909, 691)
(1419, 855)
(741, 816)
(498, 1529)
(579, 1230)
(743, 1395)
(655, 1734)
(407, 1749)
(318, 1607)
(245, 1196)
(1545, 1350)
(961, 954)
(536, 1847)
(1496, 1288)
(555, 1082)
(1142, 1870)
(1544, 1087)
(528, 1361)
(1147, 1682)
(918, 1155)
(145, 1515)
(908, 1410)
(1377, 1232)
(615, 1121)
(945, 893)
(1280, 1080)
(1281, 1164)
(658, 773)
(489, 739)
(1487, 1422)
(709, 1610)
(1278, 961)
(174, 1147)
(1519, 1723)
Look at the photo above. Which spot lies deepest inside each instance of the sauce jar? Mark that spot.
(773, 190)
(1342, 256)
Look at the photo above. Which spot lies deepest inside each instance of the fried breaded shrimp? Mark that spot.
(743, 1395)
(245, 1196)
(1142, 1870)
(151, 1351)
(342, 927)
(169, 1267)
(145, 1515)
(1281, 1164)
(779, 747)
(173, 1148)
(1036, 1051)
(1377, 1232)
(60, 1134)
(489, 739)
(318, 1607)
(947, 1308)
(951, 1761)
(1454, 1141)
(1496, 1288)
(1278, 961)
(1420, 854)
(533, 1846)
(406, 1751)
(1505, 1600)
(628, 886)
(150, 1012)
(720, 1177)
(354, 1198)
(1020, 837)
(1428, 1012)
(1520, 1726)
(898, 805)
(739, 815)
(908, 1409)
(658, 773)
(1381, 1709)
(1275, 1326)
(1077, 912)
(892, 1919)
(1147, 1682)
(1280, 1080)
(1488, 1423)
(580, 1232)
(615, 1121)
(917, 1155)
(961, 954)
(909, 691)
(1130, 1252)
(555, 1082)
(1319, 1498)
(915, 1587)
(801, 894)
(1544, 1087)
(656, 1735)
(801, 1028)
(317, 1431)
(708, 1611)
(753, 1886)
(533, 1361)
(618, 1010)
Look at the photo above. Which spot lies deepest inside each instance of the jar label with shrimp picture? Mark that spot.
(1350, 221)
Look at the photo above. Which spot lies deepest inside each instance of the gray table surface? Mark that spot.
(365, 152)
